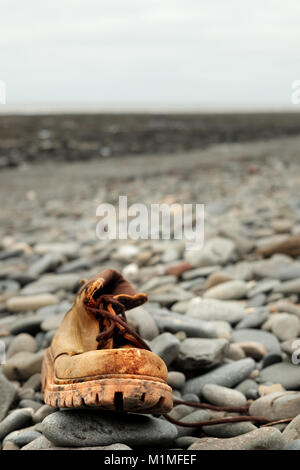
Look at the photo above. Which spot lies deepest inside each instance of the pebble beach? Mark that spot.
(225, 318)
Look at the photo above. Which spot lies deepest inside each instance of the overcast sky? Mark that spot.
(149, 54)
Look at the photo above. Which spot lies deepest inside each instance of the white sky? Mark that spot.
(149, 54)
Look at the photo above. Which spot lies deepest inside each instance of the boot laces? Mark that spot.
(113, 311)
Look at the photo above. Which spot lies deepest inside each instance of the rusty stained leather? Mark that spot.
(74, 346)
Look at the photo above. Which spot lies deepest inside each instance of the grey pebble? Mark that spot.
(223, 396)
(15, 420)
(8, 394)
(250, 334)
(227, 375)
(166, 346)
(287, 374)
(84, 428)
(176, 379)
(260, 439)
(195, 353)
(229, 429)
(21, 438)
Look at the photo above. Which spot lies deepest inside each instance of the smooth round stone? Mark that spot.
(179, 411)
(194, 417)
(191, 397)
(74, 266)
(144, 321)
(23, 365)
(166, 346)
(292, 431)
(293, 445)
(47, 262)
(158, 282)
(223, 396)
(28, 403)
(61, 281)
(282, 225)
(270, 268)
(22, 278)
(30, 302)
(126, 253)
(289, 272)
(287, 374)
(69, 249)
(216, 251)
(8, 394)
(200, 272)
(257, 301)
(180, 307)
(20, 343)
(253, 320)
(15, 420)
(176, 379)
(263, 286)
(215, 310)
(286, 245)
(168, 298)
(21, 438)
(250, 334)
(260, 439)
(277, 405)
(227, 375)
(26, 325)
(35, 288)
(288, 287)
(195, 353)
(230, 290)
(229, 429)
(91, 428)
(178, 269)
(217, 278)
(191, 326)
(285, 326)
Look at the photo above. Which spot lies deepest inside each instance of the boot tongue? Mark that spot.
(111, 282)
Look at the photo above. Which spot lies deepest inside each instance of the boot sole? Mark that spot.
(131, 394)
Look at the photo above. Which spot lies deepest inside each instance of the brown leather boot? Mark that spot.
(96, 359)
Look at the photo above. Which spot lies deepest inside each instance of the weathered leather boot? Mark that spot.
(96, 359)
